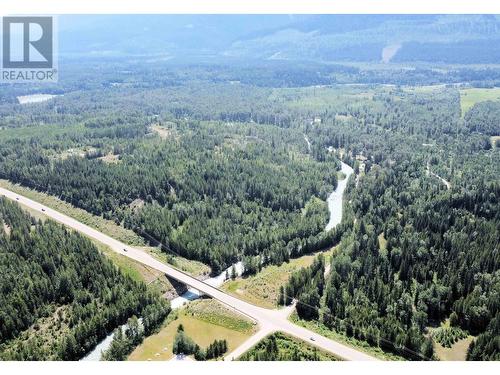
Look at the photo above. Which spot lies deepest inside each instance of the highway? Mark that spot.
(268, 320)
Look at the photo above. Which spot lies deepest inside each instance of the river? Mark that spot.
(216, 281)
(190, 295)
(35, 98)
(335, 199)
(95, 355)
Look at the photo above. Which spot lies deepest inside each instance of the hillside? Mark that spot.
(209, 38)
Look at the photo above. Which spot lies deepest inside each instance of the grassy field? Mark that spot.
(318, 99)
(193, 267)
(457, 352)
(382, 243)
(203, 321)
(469, 97)
(135, 270)
(424, 88)
(443, 336)
(262, 289)
(288, 349)
(165, 132)
(139, 272)
(363, 346)
(213, 312)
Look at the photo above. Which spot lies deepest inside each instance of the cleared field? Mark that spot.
(320, 98)
(262, 289)
(457, 352)
(444, 335)
(6, 229)
(469, 97)
(382, 242)
(193, 267)
(111, 158)
(211, 311)
(203, 321)
(424, 88)
(35, 98)
(135, 270)
(164, 132)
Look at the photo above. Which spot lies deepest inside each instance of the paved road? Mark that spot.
(249, 344)
(268, 320)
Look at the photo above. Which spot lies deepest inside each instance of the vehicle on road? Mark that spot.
(125, 250)
(312, 339)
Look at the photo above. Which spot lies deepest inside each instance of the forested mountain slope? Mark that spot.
(328, 37)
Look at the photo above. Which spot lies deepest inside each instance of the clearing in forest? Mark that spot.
(471, 96)
(110, 158)
(495, 141)
(163, 131)
(457, 352)
(204, 321)
(262, 289)
(6, 229)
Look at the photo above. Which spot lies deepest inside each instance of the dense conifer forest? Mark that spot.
(59, 296)
(211, 191)
(220, 169)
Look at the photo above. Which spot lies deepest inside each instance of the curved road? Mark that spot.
(268, 320)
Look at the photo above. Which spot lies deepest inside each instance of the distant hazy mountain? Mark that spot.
(401, 38)
(158, 34)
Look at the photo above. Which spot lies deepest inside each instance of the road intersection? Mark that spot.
(269, 321)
